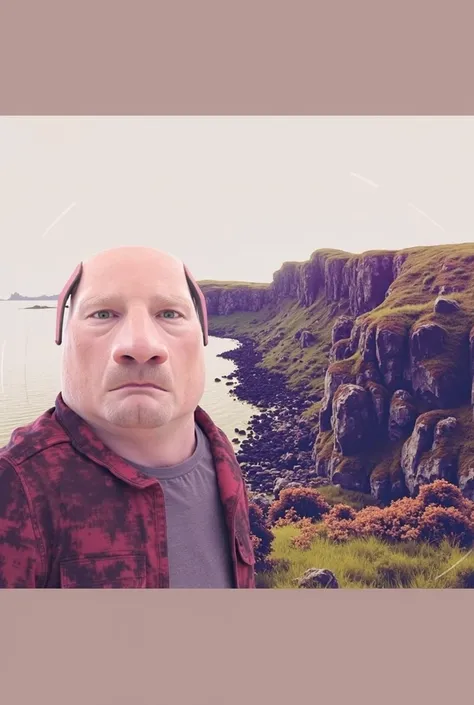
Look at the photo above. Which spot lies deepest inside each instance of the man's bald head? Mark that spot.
(98, 266)
(137, 316)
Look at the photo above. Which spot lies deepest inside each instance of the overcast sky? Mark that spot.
(233, 197)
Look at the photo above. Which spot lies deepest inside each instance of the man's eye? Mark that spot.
(101, 314)
(170, 314)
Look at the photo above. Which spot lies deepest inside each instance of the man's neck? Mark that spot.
(155, 448)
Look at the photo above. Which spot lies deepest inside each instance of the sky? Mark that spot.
(234, 197)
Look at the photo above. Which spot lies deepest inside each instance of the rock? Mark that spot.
(340, 350)
(427, 455)
(441, 387)
(427, 341)
(402, 415)
(321, 467)
(434, 467)
(349, 473)
(307, 339)
(380, 403)
(381, 488)
(443, 431)
(261, 501)
(391, 352)
(367, 279)
(448, 265)
(368, 372)
(351, 419)
(280, 485)
(466, 482)
(333, 380)
(342, 329)
(367, 343)
(318, 578)
(398, 262)
(217, 379)
(444, 305)
(419, 442)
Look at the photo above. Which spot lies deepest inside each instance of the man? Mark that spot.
(126, 482)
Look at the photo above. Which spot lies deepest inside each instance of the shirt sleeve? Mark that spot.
(21, 556)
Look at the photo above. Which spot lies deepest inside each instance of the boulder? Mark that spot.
(281, 484)
(307, 339)
(444, 305)
(318, 578)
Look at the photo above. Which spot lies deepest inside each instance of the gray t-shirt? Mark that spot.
(198, 544)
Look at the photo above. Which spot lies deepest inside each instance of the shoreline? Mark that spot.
(277, 446)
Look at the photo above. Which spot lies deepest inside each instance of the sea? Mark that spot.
(30, 371)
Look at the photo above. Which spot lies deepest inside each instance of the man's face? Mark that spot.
(134, 353)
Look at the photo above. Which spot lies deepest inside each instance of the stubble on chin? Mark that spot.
(130, 414)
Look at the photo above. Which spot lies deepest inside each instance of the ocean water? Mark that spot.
(30, 371)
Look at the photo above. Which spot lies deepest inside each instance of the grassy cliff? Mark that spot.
(422, 274)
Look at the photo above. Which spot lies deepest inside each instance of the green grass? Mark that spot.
(370, 563)
(336, 495)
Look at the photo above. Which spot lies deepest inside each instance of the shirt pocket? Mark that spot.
(126, 571)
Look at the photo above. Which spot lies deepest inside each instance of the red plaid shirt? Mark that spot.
(73, 514)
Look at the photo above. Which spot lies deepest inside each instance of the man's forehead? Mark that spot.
(129, 262)
(148, 279)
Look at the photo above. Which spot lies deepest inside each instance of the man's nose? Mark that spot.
(139, 339)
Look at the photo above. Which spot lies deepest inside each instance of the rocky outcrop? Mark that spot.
(222, 301)
(427, 340)
(342, 329)
(352, 418)
(390, 350)
(334, 378)
(402, 415)
(425, 457)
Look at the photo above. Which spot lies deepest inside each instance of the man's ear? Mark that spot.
(200, 303)
(71, 284)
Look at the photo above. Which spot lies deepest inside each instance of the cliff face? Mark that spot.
(223, 301)
(399, 371)
(363, 281)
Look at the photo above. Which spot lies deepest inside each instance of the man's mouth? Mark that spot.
(136, 385)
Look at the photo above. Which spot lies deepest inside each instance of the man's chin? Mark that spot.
(139, 413)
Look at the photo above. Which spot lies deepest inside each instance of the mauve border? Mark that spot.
(246, 58)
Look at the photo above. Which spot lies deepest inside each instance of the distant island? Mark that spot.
(39, 306)
(20, 297)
